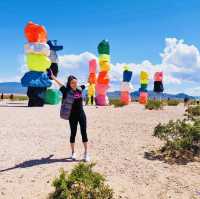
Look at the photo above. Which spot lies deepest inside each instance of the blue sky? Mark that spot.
(137, 31)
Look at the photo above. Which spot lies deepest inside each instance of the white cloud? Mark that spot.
(10, 79)
(23, 69)
(185, 58)
(77, 65)
(75, 61)
(180, 54)
(194, 91)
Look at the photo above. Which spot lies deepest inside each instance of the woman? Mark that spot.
(77, 114)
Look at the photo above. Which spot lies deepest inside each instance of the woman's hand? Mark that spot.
(82, 87)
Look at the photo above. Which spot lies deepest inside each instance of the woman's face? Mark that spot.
(73, 84)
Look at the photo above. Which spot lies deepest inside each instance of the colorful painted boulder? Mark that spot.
(52, 96)
(104, 47)
(37, 48)
(36, 79)
(92, 78)
(144, 75)
(36, 62)
(126, 86)
(143, 88)
(103, 78)
(104, 66)
(127, 75)
(92, 66)
(143, 98)
(158, 76)
(35, 33)
(102, 100)
(158, 87)
(101, 89)
(125, 97)
(104, 58)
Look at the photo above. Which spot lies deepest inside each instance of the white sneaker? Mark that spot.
(86, 158)
(73, 156)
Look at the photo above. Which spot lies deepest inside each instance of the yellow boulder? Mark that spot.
(37, 62)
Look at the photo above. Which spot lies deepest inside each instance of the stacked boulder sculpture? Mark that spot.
(144, 80)
(41, 60)
(158, 82)
(126, 86)
(37, 60)
(103, 79)
(92, 81)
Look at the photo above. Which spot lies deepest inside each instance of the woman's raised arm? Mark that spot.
(56, 80)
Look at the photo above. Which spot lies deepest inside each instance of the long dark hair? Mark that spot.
(70, 78)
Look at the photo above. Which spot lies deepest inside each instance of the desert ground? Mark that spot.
(34, 145)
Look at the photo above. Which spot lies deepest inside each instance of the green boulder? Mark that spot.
(104, 47)
(52, 96)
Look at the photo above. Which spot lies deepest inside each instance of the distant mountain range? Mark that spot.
(16, 88)
(135, 95)
(12, 87)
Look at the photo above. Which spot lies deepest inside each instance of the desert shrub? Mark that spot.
(173, 102)
(20, 98)
(116, 103)
(181, 138)
(178, 134)
(182, 141)
(193, 102)
(81, 183)
(193, 112)
(154, 105)
(16, 97)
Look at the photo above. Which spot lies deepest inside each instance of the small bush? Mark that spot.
(20, 98)
(182, 139)
(193, 112)
(81, 183)
(116, 103)
(192, 102)
(154, 105)
(173, 102)
(178, 134)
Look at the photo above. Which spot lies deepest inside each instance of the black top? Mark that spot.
(77, 105)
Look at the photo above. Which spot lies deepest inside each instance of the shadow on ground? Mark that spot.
(36, 162)
(179, 159)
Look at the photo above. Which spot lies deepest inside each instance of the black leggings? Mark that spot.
(74, 119)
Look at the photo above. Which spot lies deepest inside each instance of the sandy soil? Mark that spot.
(34, 146)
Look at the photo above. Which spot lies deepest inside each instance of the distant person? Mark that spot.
(198, 102)
(2, 96)
(84, 94)
(186, 101)
(11, 97)
(74, 112)
(86, 99)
